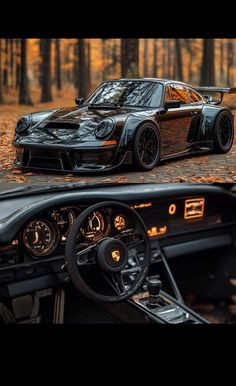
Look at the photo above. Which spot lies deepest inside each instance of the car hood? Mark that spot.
(72, 125)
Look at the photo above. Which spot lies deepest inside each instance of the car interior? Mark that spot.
(124, 253)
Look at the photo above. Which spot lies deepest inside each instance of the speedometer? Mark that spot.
(97, 227)
(40, 237)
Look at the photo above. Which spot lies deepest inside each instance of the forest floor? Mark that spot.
(199, 169)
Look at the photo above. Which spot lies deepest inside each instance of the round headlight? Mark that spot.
(104, 128)
(23, 123)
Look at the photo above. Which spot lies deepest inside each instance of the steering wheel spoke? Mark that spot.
(86, 256)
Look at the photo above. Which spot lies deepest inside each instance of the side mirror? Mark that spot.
(79, 101)
(172, 104)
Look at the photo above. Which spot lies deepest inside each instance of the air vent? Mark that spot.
(62, 125)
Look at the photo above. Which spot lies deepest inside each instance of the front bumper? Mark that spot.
(71, 160)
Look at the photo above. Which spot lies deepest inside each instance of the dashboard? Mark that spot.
(34, 226)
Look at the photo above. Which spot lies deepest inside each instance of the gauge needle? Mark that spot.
(36, 238)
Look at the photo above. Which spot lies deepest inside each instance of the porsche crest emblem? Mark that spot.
(115, 255)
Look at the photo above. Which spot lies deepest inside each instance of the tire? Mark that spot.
(223, 132)
(147, 144)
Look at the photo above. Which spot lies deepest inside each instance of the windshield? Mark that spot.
(128, 93)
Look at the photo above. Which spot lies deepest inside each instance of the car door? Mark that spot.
(175, 123)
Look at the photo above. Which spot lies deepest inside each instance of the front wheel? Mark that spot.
(223, 132)
(146, 151)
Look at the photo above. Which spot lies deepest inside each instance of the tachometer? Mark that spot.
(40, 237)
(96, 227)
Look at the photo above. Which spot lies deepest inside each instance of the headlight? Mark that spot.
(23, 123)
(104, 128)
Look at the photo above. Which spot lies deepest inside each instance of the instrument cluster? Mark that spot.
(44, 234)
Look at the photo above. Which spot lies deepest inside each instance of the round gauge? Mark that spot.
(120, 222)
(96, 227)
(40, 237)
(65, 217)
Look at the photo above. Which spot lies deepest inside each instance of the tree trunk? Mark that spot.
(155, 65)
(179, 63)
(58, 64)
(221, 61)
(12, 62)
(83, 72)
(76, 66)
(89, 65)
(1, 91)
(229, 61)
(6, 64)
(208, 63)
(145, 58)
(18, 59)
(24, 95)
(46, 91)
(130, 58)
(164, 75)
(169, 57)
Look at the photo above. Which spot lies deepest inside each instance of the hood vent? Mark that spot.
(62, 126)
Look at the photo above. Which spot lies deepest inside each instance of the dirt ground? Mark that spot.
(199, 169)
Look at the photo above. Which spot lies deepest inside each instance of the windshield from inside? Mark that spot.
(136, 93)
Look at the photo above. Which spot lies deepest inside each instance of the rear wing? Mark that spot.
(221, 90)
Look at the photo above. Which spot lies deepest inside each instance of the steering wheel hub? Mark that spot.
(112, 255)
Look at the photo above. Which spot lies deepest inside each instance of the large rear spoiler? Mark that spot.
(221, 90)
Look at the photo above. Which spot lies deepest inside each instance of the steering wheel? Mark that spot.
(117, 260)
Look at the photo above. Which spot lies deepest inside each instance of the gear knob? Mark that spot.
(153, 286)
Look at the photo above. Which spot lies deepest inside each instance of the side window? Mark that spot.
(179, 93)
(194, 96)
(167, 94)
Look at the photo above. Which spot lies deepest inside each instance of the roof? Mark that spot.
(164, 81)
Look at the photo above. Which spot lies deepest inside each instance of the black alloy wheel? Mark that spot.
(224, 132)
(146, 152)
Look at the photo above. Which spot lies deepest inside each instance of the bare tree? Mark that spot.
(83, 72)
(46, 85)
(5, 70)
(222, 61)
(89, 64)
(18, 60)
(1, 91)
(130, 57)
(145, 58)
(24, 94)
(230, 56)
(58, 64)
(164, 75)
(76, 65)
(169, 57)
(155, 65)
(208, 63)
(179, 62)
(12, 62)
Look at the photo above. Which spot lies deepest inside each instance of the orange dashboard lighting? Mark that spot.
(157, 231)
(109, 143)
(145, 205)
(194, 208)
(172, 209)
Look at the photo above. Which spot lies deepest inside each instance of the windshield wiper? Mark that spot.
(106, 105)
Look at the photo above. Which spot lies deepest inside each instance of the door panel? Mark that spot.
(177, 125)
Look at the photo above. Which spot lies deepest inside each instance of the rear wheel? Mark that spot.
(224, 132)
(146, 152)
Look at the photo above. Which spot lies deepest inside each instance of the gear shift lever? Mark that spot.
(153, 286)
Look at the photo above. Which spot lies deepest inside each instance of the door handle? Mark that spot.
(194, 113)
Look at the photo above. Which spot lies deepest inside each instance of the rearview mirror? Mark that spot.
(172, 104)
(79, 101)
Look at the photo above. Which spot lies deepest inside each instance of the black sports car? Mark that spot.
(126, 121)
(138, 253)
